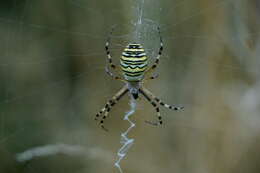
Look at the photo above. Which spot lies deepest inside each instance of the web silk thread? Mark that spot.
(125, 141)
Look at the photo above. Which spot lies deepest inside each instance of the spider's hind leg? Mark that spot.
(109, 105)
(176, 108)
(173, 107)
(152, 99)
(156, 108)
(108, 71)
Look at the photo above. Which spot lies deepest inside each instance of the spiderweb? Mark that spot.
(52, 82)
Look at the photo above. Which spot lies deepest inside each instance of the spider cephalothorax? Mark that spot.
(135, 71)
(133, 88)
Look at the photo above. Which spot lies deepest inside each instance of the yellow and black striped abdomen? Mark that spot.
(133, 62)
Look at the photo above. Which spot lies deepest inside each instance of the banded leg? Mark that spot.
(176, 108)
(157, 59)
(110, 104)
(155, 106)
(112, 75)
(154, 76)
(109, 58)
(107, 50)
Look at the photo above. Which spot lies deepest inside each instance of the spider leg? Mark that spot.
(154, 76)
(157, 59)
(108, 52)
(176, 108)
(109, 105)
(109, 58)
(112, 75)
(155, 106)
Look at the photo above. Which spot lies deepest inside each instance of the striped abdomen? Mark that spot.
(133, 62)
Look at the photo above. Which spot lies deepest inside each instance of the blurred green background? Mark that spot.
(52, 83)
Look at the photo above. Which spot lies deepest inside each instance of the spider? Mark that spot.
(134, 66)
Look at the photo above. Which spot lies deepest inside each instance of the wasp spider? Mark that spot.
(134, 66)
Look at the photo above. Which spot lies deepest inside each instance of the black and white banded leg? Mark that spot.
(157, 59)
(176, 108)
(156, 108)
(109, 105)
(109, 58)
(154, 76)
(112, 75)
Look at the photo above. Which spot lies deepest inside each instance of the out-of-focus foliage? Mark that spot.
(52, 82)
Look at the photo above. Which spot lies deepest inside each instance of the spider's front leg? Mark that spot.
(157, 59)
(109, 105)
(110, 62)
